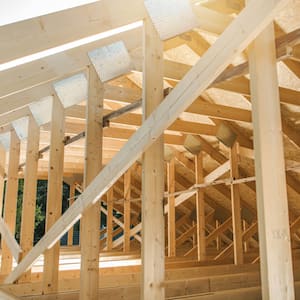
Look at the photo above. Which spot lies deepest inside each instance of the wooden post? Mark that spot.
(71, 201)
(218, 239)
(236, 207)
(2, 175)
(245, 244)
(200, 207)
(54, 194)
(272, 205)
(153, 223)
(29, 194)
(109, 219)
(171, 208)
(127, 220)
(90, 222)
(10, 202)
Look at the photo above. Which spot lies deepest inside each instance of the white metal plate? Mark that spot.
(5, 140)
(72, 90)
(171, 17)
(111, 61)
(42, 110)
(21, 127)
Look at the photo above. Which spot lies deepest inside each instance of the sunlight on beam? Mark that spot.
(18, 10)
(68, 46)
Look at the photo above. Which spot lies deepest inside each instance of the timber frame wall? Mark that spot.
(154, 127)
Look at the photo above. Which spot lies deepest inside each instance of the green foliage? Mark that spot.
(40, 209)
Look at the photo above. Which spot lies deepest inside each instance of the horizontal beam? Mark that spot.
(41, 33)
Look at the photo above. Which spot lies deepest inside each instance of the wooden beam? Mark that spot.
(10, 240)
(71, 201)
(240, 32)
(109, 219)
(236, 206)
(171, 208)
(272, 205)
(200, 207)
(7, 296)
(127, 217)
(90, 226)
(153, 223)
(54, 194)
(25, 44)
(213, 21)
(29, 193)
(10, 201)
(219, 230)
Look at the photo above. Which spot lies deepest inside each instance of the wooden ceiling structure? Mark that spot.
(152, 110)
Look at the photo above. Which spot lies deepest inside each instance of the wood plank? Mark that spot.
(127, 210)
(200, 207)
(236, 206)
(171, 208)
(10, 200)
(219, 229)
(187, 234)
(95, 18)
(29, 192)
(153, 222)
(10, 240)
(71, 201)
(240, 32)
(109, 219)
(7, 296)
(272, 205)
(54, 194)
(90, 222)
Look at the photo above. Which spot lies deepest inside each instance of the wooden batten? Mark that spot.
(109, 219)
(71, 201)
(171, 208)
(153, 239)
(54, 194)
(272, 205)
(127, 211)
(10, 200)
(90, 222)
(29, 196)
(200, 208)
(236, 206)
